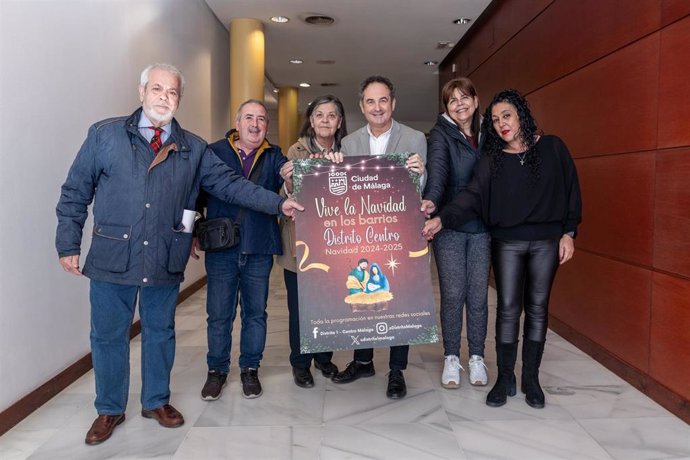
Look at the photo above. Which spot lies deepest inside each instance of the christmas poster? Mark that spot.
(363, 267)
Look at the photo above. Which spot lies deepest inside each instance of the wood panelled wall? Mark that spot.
(612, 78)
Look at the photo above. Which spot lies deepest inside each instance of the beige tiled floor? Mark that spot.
(590, 412)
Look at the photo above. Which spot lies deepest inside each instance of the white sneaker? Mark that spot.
(478, 371)
(451, 372)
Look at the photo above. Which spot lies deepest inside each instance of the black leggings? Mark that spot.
(524, 272)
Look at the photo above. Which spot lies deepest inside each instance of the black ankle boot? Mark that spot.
(531, 360)
(506, 353)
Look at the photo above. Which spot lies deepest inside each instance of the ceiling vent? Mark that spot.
(325, 61)
(329, 84)
(319, 20)
(444, 45)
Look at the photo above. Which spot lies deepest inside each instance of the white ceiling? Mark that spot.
(388, 37)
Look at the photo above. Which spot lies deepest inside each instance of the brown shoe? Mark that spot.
(166, 415)
(102, 428)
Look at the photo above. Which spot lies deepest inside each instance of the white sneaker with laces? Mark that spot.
(451, 372)
(477, 367)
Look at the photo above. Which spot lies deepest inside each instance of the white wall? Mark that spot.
(63, 66)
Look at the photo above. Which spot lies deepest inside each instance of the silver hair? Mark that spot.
(250, 101)
(144, 79)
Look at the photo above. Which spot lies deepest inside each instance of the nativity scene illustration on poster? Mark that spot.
(369, 289)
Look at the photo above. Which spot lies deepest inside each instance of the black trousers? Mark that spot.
(524, 272)
(298, 359)
(397, 359)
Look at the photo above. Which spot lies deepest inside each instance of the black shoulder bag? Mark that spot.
(223, 233)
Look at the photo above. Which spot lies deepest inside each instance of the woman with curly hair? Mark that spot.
(525, 189)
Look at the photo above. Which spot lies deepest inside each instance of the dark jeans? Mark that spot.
(232, 275)
(297, 359)
(524, 272)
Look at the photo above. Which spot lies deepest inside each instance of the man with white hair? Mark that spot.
(144, 173)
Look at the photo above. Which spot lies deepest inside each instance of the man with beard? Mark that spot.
(242, 271)
(144, 173)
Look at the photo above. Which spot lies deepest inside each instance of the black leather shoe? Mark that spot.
(396, 385)
(353, 371)
(327, 369)
(302, 377)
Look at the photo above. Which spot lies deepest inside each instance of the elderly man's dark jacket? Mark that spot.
(139, 198)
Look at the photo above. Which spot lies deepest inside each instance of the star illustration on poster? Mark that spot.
(392, 264)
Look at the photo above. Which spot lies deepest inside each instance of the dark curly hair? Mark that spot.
(494, 145)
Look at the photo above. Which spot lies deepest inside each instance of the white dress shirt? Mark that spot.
(377, 145)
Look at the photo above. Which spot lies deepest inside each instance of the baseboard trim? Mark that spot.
(666, 397)
(41, 395)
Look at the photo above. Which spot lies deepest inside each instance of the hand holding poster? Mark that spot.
(363, 266)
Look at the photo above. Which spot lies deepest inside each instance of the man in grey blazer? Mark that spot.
(382, 135)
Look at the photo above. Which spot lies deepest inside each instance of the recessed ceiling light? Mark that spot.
(280, 19)
(431, 63)
(275, 90)
(296, 61)
(304, 85)
(462, 21)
